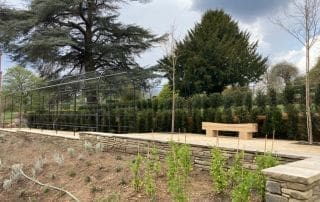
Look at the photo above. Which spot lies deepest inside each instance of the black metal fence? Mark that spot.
(123, 102)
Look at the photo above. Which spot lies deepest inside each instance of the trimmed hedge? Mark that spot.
(149, 115)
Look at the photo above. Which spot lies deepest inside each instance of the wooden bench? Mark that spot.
(245, 129)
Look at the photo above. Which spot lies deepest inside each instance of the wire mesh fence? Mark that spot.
(124, 102)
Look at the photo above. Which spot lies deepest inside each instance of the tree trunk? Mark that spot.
(89, 66)
(308, 103)
(173, 93)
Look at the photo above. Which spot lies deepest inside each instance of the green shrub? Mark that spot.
(289, 93)
(317, 96)
(218, 174)
(179, 167)
(248, 100)
(263, 161)
(293, 119)
(152, 169)
(137, 180)
(227, 116)
(272, 95)
(215, 100)
(236, 170)
(261, 100)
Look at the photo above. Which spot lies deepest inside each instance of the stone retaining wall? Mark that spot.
(201, 154)
(293, 182)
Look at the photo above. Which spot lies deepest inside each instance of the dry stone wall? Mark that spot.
(201, 154)
(294, 182)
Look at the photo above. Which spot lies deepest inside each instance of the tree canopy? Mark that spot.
(282, 74)
(214, 54)
(18, 80)
(315, 73)
(72, 35)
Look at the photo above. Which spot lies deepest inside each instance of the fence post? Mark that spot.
(11, 113)
(31, 98)
(20, 111)
(4, 111)
(75, 112)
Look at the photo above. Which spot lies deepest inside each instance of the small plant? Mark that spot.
(118, 169)
(72, 173)
(45, 190)
(152, 169)
(7, 183)
(95, 189)
(58, 158)
(236, 170)
(38, 166)
(217, 172)
(242, 191)
(118, 157)
(71, 152)
(88, 146)
(122, 181)
(14, 176)
(53, 176)
(87, 179)
(99, 147)
(179, 166)
(137, 181)
(263, 161)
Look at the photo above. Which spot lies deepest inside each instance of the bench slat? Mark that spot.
(247, 127)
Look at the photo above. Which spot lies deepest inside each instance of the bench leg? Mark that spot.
(212, 133)
(245, 135)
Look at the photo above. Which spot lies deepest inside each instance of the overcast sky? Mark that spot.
(255, 16)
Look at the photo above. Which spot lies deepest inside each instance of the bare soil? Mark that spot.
(100, 176)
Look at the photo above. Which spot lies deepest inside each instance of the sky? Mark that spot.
(254, 16)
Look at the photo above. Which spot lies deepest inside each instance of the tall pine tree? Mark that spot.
(214, 54)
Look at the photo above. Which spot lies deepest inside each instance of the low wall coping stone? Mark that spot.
(304, 171)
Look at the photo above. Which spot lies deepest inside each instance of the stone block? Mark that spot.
(273, 187)
(298, 194)
(275, 198)
(298, 186)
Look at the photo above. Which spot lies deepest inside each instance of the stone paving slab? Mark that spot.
(294, 174)
(283, 147)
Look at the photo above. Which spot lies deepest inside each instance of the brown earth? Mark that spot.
(90, 177)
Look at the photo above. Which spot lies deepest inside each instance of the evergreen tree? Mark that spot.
(214, 54)
(72, 35)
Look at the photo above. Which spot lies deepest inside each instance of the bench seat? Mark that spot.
(245, 129)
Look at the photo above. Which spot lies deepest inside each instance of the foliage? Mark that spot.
(273, 122)
(137, 180)
(235, 173)
(272, 94)
(317, 96)
(218, 174)
(289, 93)
(292, 122)
(19, 80)
(282, 73)
(60, 35)
(263, 161)
(242, 191)
(210, 54)
(152, 169)
(261, 100)
(58, 158)
(179, 167)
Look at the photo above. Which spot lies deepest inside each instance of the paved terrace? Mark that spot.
(284, 147)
